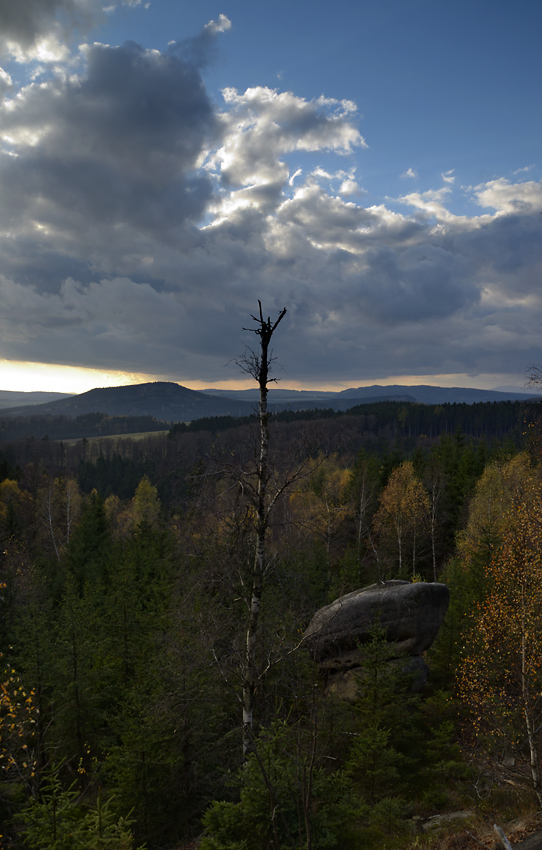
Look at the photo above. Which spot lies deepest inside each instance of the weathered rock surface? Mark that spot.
(409, 614)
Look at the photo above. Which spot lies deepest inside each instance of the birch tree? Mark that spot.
(58, 507)
(501, 675)
(402, 515)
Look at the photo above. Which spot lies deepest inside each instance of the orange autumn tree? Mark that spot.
(18, 716)
(500, 678)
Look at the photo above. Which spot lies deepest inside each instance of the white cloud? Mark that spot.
(448, 176)
(506, 197)
(5, 82)
(409, 173)
(222, 24)
(297, 173)
(349, 187)
(262, 125)
(430, 202)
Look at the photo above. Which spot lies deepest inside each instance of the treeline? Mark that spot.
(51, 427)
(483, 420)
(124, 576)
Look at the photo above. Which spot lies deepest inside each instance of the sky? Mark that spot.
(374, 167)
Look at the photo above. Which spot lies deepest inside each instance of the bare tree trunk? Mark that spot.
(72, 506)
(399, 532)
(365, 496)
(502, 840)
(435, 494)
(50, 519)
(362, 507)
(258, 367)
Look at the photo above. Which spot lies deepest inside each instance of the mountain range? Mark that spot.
(170, 402)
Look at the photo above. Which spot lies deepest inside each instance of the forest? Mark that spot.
(128, 574)
(482, 419)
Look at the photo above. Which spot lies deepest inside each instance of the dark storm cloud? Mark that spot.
(139, 110)
(415, 284)
(147, 109)
(71, 194)
(117, 147)
(38, 266)
(514, 240)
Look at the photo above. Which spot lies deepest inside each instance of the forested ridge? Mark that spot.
(49, 426)
(482, 419)
(125, 586)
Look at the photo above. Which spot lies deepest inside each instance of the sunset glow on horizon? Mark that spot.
(42, 377)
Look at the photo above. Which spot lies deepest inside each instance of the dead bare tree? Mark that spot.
(257, 364)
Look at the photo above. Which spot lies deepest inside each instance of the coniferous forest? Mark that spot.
(127, 587)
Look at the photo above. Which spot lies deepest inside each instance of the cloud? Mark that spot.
(200, 50)
(222, 24)
(448, 176)
(262, 124)
(506, 197)
(430, 202)
(259, 128)
(409, 173)
(369, 293)
(140, 223)
(38, 29)
(94, 323)
(6, 83)
(115, 147)
(349, 186)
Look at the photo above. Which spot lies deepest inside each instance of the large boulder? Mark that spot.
(408, 614)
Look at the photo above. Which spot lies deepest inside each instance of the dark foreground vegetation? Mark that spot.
(124, 592)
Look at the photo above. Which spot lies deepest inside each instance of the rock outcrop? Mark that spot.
(409, 615)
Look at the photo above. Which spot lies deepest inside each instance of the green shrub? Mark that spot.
(57, 820)
(286, 798)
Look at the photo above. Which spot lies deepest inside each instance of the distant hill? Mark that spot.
(301, 399)
(277, 394)
(170, 402)
(435, 395)
(167, 402)
(9, 398)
